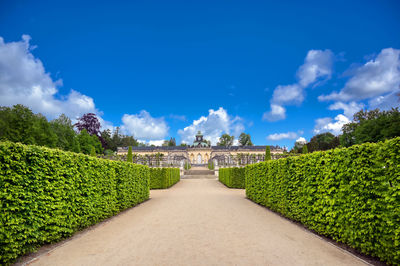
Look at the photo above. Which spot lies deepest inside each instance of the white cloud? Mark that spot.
(376, 77)
(301, 140)
(349, 109)
(317, 65)
(24, 80)
(144, 126)
(288, 94)
(158, 142)
(385, 102)
(328, 125)
(277, 113)
(280, 136)
(212, 126)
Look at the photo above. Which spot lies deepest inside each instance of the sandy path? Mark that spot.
(197, 222)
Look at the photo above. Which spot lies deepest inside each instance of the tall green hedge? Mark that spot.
(351, 195)
(47, 195)
(232, 177)
(164, 177)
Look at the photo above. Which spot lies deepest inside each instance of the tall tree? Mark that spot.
(371, 126)
(322, 142)
(172, 142)
(245, 140)
(130, 156)
(63, 128)
(267, 153)
(226, 140)
(86, 142)
(304, 150)
(89, 122)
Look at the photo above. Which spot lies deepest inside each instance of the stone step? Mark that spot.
(199, 172)
(198, 177)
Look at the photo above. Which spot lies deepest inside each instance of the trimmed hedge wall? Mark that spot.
(164, 177)
(351, 195)
(232, 177)
(47, 195)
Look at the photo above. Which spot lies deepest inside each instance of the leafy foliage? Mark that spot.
(267, 153)
(232, 177)
(245, 140)
(349, 194)
(226, 140)
(323, 142)
(87, 142)
(187, 166)
(371, 126)
(129, 158)
(304, 150)
(90, 123)
(163, 177)
(113, 140)
(47, 195)
(19, 124)
(211, 165)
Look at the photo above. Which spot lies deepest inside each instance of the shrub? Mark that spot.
(211, 165)
(232, 177)
(163, 177)
(351, 195)
(187, 166)
(47, 195)
(129, 158)
(267, 153)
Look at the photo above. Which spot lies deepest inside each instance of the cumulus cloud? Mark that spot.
(24, 80)
(378, 76)
(280, 136)
(301, 140)
(327, 124)
(277, 113)
(317, 65)
(212, 126)
(386, 101)
(144, 126)
(349, 109)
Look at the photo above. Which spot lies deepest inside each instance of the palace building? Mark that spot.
(199, 153)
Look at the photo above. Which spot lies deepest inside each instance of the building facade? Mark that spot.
(200, 153)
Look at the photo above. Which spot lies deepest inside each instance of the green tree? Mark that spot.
(172, 142)
(226, 140)
(42, 132)
(63, 128)
(92, 151)
(20, 124)
(86, 142)
(267, 153)
(371, 126)
(305, 149)
(245, 140)
(322, 142)
(130, 156)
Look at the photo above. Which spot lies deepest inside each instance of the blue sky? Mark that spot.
(160, 69)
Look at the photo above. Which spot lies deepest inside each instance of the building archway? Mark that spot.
(199, 159)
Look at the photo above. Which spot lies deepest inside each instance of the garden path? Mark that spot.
(197, 222)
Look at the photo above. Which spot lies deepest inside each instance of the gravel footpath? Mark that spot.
(197, 222)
